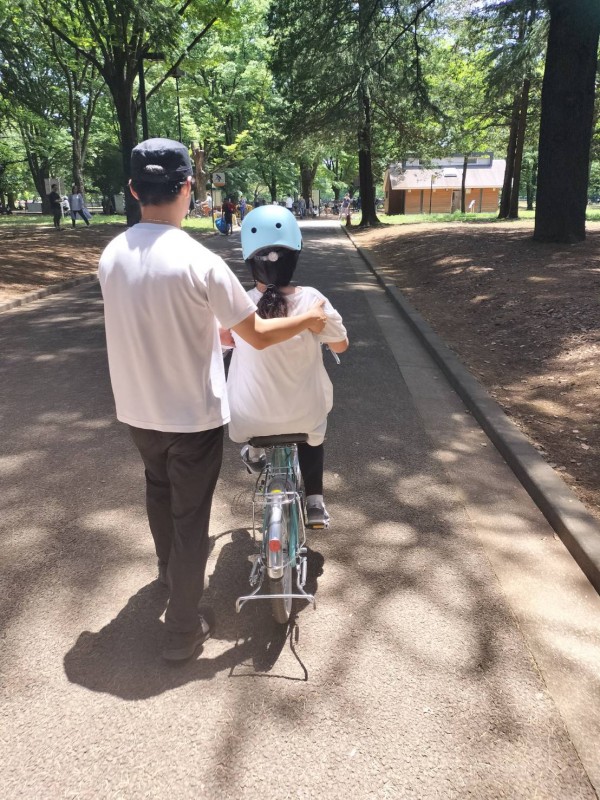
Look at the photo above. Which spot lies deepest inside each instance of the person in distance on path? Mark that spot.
(163, 294)
(56, 206)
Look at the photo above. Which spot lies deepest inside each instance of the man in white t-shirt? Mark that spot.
(163, 294)
(289, 203)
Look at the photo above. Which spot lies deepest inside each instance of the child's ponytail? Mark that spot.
(272, 304)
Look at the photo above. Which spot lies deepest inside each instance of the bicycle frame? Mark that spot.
(283, 537)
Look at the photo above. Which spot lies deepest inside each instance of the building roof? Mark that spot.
(478, 177)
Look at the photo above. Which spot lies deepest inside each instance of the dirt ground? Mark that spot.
(35, 256)
(525, 319)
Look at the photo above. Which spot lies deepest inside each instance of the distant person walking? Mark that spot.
(242, 208)
(346, 209)
(77, 204)
(289, 203)
(55, 205)
(227, 209)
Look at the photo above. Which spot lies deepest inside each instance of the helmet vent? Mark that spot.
(253, 230)
(278, 225)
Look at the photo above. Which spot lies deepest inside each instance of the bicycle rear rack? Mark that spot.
(259, 568)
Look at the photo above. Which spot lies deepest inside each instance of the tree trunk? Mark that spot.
(566, 125)
(126, 117)
(42, 171)
(200, 188)
(77, 164)
(365, 164)
(513, 212)
(307, 177)
(510, 161)
(463, 185)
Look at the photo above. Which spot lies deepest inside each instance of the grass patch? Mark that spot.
(592, 215)
(10, 220)
(413, 219)
(46, 221)
(201, 223)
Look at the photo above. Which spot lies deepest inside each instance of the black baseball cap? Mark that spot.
(160, 161)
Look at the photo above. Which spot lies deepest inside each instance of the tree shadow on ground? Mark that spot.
(525, 319)
(122, 658)
(410, 617)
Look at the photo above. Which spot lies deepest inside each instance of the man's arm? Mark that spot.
(261, 333)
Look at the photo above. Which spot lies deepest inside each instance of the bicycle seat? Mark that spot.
(279, 439)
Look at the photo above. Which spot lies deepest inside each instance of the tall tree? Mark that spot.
(330, 68)
(567, 117)
(39, 73)
(119, 40)
(516, 31)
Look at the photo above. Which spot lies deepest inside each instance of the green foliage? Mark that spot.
(594, 184)
(106, 170)
(14, 173)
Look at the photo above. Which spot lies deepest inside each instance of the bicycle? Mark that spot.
(278, 492)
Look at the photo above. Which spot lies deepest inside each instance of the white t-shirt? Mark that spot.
(289, 203)
(284, 388)
(163, 293)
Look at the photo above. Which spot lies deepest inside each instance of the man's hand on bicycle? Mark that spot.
(318, 317)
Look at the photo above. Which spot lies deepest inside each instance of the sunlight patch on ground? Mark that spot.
(15, 464)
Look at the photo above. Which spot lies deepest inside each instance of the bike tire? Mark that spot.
(281, 608)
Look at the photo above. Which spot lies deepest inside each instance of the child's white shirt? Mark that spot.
(284, 388)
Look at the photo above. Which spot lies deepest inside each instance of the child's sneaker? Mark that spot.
(254, 459)
(317, 517)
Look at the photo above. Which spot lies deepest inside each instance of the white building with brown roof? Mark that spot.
(411, 188)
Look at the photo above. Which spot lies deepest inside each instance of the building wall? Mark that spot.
(413, 202)
(441, 201)
(392, 203)
(417, 201)
(489, 200)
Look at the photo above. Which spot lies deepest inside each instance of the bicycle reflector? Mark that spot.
(274, 545)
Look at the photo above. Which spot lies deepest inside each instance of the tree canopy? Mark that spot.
(284, 99)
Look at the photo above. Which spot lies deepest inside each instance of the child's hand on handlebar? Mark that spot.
(317, 317)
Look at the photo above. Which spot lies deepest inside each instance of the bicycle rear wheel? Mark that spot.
(281, 607)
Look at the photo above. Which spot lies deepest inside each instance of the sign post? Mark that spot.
(212, 204)
(218, 180)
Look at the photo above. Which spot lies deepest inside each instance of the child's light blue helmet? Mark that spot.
(270, 226)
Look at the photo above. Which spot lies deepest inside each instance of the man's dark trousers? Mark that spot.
(181, 475)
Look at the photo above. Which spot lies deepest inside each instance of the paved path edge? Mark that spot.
(567, 515)
(47, 290)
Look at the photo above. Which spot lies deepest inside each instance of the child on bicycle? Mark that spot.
(285, 388)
